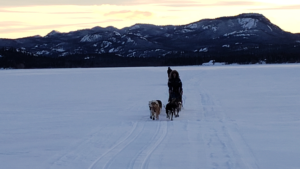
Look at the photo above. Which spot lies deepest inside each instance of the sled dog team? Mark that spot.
(174, 105)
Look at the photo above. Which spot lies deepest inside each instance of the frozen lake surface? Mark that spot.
(234, 117)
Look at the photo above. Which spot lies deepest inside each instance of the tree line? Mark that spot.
(11, 58)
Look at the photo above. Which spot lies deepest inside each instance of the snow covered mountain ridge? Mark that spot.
(146, 40)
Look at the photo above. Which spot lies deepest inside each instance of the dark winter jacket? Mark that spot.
(174, 84)
(169, 71)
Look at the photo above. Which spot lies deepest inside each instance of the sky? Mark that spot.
(19, 18)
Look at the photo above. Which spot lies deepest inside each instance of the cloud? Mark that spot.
(289, 7)
(13, 11)
(199, 4)
(80, 18)
(4, 24)
(127, 14)
(234, 3)
(54, 26)
(60, 13)
(20, 3)
(117, 12)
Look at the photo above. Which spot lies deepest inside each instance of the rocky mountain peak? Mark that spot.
(53, 32)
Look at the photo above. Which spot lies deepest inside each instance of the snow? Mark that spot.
(186, 30)
(113, 39)
(64, 54)
(106, 44)
(247, 23)
(270, 28)
(238, 34)
(235, 32)
(192, 26)
(210, 63)
(129, 40)
(243, 34)
(237, 117)
(117, 33)
(111, 50)
(226, 46)
(206, 27)
(214, 28)
(59, 49)
(54, 32)
(43, 52)
(135, 27)
(168, 35)
(231, 33)
(203, 50)
(91, 38)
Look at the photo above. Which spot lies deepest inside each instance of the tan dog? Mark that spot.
(154, 107)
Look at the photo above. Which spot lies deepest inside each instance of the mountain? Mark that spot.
(241, 32)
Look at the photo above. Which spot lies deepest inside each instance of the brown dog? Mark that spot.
(155, 108)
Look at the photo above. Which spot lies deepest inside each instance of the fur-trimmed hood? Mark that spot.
(174, 71)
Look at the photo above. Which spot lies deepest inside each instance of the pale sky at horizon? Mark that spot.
(20, 18)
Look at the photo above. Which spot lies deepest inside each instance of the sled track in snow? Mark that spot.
(143, 157)
(117, 148)
(135, 160)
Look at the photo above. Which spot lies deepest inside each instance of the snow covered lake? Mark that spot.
(234, 117)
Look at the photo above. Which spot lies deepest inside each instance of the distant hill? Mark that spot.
(246, 37)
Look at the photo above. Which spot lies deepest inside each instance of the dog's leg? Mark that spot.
(152, 115)
(167, 112)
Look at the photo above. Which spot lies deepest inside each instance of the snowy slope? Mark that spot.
(236, 117)
(146, 40)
